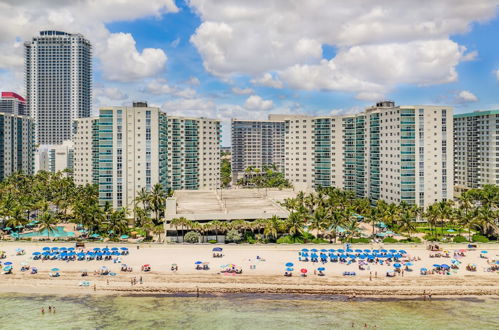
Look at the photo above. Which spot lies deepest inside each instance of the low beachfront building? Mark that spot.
(127, 149)
(56, 158)
(16, 144)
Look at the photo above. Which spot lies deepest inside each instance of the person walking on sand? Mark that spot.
(95, 287)
(43, 310)
(140, 280)
(370, 276)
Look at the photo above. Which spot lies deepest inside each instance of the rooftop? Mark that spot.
(231, 204)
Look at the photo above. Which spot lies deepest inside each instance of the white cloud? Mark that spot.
(497, 75)
(21, 20)
(122, 62)
(111, 93)
(267, 80)
(194, 81)
(255, 102)
(285, 38)
(242, 91)
(160, 87)
(466, 97)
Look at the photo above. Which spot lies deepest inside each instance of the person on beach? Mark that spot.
(95, 287)
(50, 309)
(140, 280)
(43, 310)
(53, 309)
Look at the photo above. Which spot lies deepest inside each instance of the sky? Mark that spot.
(245, 59)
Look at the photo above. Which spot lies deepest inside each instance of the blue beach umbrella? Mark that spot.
(114, 249)
(341, 250)
(71, 249)
(105, 249)
(408, 264)
(314, 250)
(484, 251)
(54, 269)
(402, 251)
(46, 248)
(124, 249)
(289, 269)
(362, 256)
(124, 236)
(349, 250)
(46, 253)
(436, 265)
(375, 251)
(384, 250)
(55, 248)
(115, 253)
(321, 269)
(358, 250)
(332, 250)
(289, 264)
(444, 266)
(370, 257)
(393, 250)
(397, 265)
(198, 262)
(424, 269)
(96, 249)
(304, 250)
(36, 253)
(8, 263)
(323, 250)
(367, 250)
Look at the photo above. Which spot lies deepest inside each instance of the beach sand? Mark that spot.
(266, 277)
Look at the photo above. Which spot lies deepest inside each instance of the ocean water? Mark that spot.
(244, 312)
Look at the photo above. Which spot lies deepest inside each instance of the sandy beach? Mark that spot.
(263, 268)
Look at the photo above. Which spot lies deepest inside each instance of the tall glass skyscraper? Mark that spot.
(58, 83)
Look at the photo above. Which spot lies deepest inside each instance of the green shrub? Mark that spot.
(319, 240)
(192, 237)
(389, 240)
(289, 240)
(480, 239)
(233, 235)
(430, 237)
(459, 239)
(212, 241)
(410, 240)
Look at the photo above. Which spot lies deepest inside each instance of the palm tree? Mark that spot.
(352, 228)
(318, 220)
(117, 222)
(407, 223)
(158, 230)
(272, 227)
(295, 223)
(157, 202)
(486, 219)
(176, 222)
(47, 222)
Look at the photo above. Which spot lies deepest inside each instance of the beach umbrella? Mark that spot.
(393, 250)
(198, 262)
(349, 250)
(46, 248)
(96, 249)
(115, 253)
(54, 270)
(370, 257)
(408, 264)
(105, 249)
(304, 250)
(444, 266)
(289, 269)
(321, 269)
(436, 265)
(323, 250)
(36, 253)
(289, 264)
(314, 250)
(341, 250)
(362, 256)
(358, 250)
(46, 253)
(375, 251)
(384, 251)
(402, 251)
(107, 253)
(7, 228)
(55, 248)
(367, 250)
(397, 265)
(424, 269)
(71, 249)
(388, 255)
(484, 252)
(303, 270)
(114, 249)
(332, 250)
(81, 254)
(497, 262)
(218, 249)
(7, 268)
(124, 249)
(8, 263)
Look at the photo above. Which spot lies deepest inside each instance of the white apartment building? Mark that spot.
(16, 145)
(257, 144)
(476, 149)
(58, 73)
(388, 152)
(127, 149)
(55, 158)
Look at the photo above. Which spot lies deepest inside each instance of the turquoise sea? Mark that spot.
(244, 312)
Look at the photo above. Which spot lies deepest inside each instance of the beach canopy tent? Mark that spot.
(217, 249)
(289, 264)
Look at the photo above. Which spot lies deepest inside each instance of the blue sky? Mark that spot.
(223, 59)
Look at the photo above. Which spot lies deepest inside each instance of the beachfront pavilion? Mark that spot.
(225, 205)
